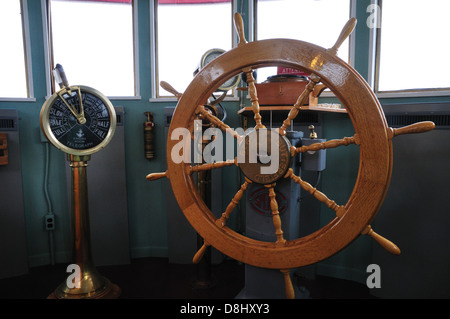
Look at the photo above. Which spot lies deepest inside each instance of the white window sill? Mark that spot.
(405, 94)
(17, 99)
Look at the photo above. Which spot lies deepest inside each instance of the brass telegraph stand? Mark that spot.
(91, 284)
(80, 121)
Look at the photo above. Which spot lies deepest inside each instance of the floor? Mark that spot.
(156, 278)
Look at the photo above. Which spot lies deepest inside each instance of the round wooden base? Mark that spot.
(111, 291)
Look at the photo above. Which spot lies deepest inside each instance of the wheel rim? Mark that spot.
(368, 120)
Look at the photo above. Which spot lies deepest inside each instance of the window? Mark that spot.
(413, 47)
(186, 30)
(93, 41)
(13, 76)
(316, 21)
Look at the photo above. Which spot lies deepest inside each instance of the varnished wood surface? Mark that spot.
(375, 154)
(283, 108)
(372, 136)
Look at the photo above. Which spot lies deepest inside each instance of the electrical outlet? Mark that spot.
(49, 222)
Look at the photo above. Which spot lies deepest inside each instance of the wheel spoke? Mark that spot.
(199, 254)
(324, 145)
(289, 288)
(313, 80)
(316, 193)
(253, 97)
(276, 215)
(418, 127)
(385, 243)
(222, 220)
(217, 122)
(345, 33)
(210, 166)
(155, 176)
(237, 197)
(239, 25)
(169, 88)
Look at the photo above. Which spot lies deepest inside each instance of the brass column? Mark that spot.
(92, 285)
(203, 276)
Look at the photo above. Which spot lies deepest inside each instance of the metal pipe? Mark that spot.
(91, 283)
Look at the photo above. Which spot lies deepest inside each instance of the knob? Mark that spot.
(312, 134)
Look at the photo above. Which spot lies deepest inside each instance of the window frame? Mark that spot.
(50, 60)
(351, 42)
(374, 65)
(155, 88)
(250, 29)
(27, 58)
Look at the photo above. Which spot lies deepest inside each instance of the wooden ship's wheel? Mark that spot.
(372, 135)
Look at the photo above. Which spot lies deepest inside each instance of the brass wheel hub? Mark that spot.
(264, 156)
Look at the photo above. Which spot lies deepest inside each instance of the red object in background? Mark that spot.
(119, 1)
(190, 1)
(167, 1)
(284, 70)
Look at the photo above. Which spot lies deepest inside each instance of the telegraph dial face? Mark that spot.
(79, 120)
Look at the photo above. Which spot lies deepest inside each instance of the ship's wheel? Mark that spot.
(372, 136)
